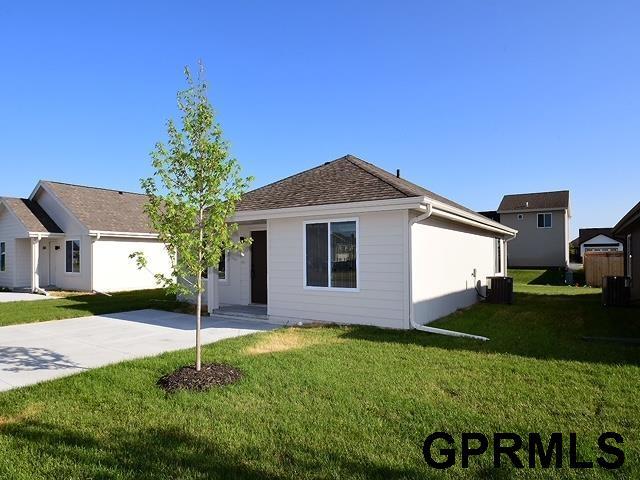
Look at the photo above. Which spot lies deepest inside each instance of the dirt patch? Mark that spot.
(29, 412)
(210, 375)
(283, 340)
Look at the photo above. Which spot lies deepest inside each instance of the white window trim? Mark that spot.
(538, 219)
(226, 269)
(304, 254)
(3, 253)
(79, 272)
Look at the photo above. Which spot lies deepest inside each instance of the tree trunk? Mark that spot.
(198, 319)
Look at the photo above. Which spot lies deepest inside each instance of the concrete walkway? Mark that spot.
(36, 352)
(20, 297)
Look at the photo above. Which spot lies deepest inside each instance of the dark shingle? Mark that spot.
(535, 201)
(31, 215)
(102, 209)
(631, 217)
(347, 179)
(587, 234)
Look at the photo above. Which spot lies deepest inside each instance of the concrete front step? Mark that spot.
(239, 315)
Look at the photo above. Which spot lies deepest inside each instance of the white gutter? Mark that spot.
(472, 222)
(438, 331)
(475, 219)
(103, 233)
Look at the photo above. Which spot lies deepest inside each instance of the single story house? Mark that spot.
(542, 221)
(629, 228)
(73, 237)
(348, 242)
(598, 240)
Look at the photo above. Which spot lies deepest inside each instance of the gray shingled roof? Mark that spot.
(535, 201)
(346, 179)
(102, 209)
(631, 217)
(586, 234)
(31, 215)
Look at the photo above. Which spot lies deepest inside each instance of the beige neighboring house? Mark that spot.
(350, 243)
(629, 228)
(542, 221)
(73, 237)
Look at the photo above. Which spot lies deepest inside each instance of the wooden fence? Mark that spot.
(602, 264)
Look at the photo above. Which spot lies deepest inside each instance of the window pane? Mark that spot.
(76, 256)
(3, 256)
(68, 255)
(343, 254)
(222, 267)
(547, 220)
(540, 220)
(317, 255)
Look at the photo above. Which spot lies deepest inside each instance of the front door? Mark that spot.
(259, 267)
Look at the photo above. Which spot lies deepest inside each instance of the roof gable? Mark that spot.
(31, 215)
(587, 234)
(535, 201)
(344, 180)
(100, 209)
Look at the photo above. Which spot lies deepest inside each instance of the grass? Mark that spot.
(549, 282)
(343, 402)
(12, 313)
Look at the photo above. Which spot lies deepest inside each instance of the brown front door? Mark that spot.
(259, 267)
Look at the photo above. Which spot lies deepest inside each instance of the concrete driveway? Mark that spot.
(36, 352)
(20, 297)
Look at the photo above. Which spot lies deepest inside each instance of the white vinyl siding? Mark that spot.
(115, 271)
(10, 230)
(23, 262)
(445, 255)
(380, 297)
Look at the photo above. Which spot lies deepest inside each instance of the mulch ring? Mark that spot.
(210, 375)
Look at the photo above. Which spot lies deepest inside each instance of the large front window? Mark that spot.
(331, 254)
(72, 256)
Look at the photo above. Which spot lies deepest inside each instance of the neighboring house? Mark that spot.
(542, 222)
(597, 240)
(629, 228)
(348, 242)
(77, 238)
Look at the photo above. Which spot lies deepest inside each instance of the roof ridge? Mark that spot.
(293, 175)
(535, 193)
(373, 170)
(92, 187)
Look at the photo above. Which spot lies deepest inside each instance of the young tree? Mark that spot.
(192, 194)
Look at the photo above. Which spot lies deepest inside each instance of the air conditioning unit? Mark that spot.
(500, 290)
(616, 291)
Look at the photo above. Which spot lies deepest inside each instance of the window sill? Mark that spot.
(331, 289)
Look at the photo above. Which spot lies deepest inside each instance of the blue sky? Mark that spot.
(471, 99)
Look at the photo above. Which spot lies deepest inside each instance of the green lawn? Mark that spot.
(548, 282)
(343, 402)
(12, 313)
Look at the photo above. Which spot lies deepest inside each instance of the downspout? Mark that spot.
(412, 323)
